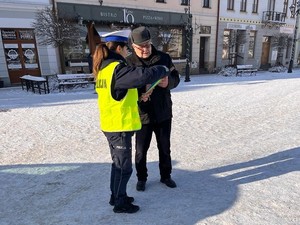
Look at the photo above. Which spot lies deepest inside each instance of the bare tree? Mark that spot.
(231, 43)
(54, 31)
(166, 39)
(281, 41)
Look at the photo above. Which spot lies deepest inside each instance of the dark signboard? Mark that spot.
(120, 15)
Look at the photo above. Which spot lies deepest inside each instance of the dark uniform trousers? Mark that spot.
(120, 144)
(143, 138)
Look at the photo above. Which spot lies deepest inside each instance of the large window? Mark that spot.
(243, 6)
(252, 40)
(206, 3)
(255, 6)
(230, 4)
(185, 2)
(293, 2)
(285, 6)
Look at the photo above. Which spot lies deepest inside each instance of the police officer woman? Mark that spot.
(116, 85)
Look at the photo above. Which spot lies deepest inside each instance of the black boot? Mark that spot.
(127, 199)
(141, 185)
(169, 182)
(123, 206)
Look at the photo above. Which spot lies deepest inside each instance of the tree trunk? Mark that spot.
(62, 59)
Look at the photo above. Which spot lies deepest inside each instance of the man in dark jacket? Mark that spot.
(155, 108)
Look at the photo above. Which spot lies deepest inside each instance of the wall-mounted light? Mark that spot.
(100, 2)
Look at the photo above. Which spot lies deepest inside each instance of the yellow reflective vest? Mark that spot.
(116, 116)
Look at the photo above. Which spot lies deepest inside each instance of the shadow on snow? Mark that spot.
(78, 193)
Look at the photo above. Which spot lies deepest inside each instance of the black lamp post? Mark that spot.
(294, 11)
(189, 31)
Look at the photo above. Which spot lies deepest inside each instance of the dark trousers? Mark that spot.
(120, 145)
(143, 138)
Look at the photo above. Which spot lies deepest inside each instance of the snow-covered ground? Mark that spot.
(235, 152)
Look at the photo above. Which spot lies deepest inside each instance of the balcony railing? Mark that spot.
(273, 17)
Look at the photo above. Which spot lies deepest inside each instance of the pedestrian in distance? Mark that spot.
(116, 86)
(155, 108)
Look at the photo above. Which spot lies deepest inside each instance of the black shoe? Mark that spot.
(141, 185)
(127, 199)
(126, 208)
(169, 182)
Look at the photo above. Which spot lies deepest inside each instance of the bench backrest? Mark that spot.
(73, 64)
(244, 66)
(74, 76)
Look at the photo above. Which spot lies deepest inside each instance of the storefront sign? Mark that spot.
(26, 34)
(286, 30)
(205, 30)
(240, 26)
(120, 15)
(9, 35)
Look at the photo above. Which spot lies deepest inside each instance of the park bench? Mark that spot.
(78, 65)
(242, 69)
(34, 83)
(72, 80)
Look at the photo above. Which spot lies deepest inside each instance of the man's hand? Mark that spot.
(145, 97)
(164, 82)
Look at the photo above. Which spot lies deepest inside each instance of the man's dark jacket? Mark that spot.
(159, 107)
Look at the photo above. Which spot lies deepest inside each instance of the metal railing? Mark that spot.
(274, 17)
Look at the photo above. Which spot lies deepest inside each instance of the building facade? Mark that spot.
(168, 21)
(210, 33)
(255, 32)
(20, 53)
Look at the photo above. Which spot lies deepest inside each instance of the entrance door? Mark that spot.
(202, 54)
(21, 53)
(265, 51)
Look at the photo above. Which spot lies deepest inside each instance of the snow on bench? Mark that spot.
(34, 82)
(241, 69)
(74, 79)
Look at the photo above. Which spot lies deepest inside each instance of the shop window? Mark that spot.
(13, 58)
(169, 40)
(78, 53)
(30, 56)
(226, 38)
(252, 40)
(289, 49)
